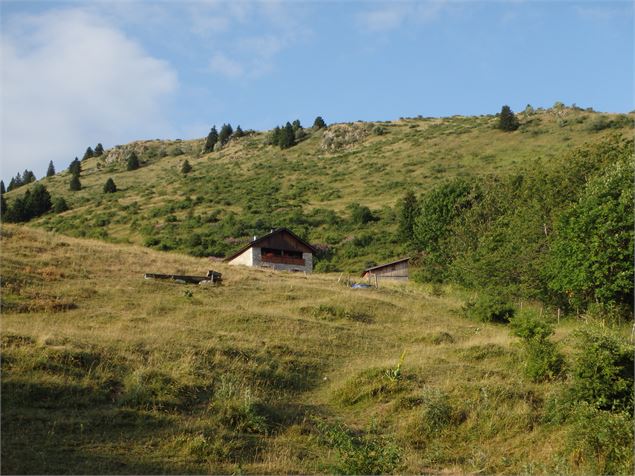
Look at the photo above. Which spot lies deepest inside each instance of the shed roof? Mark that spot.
(379, 266)
(267, 236)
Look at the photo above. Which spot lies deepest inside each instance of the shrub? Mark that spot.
(369, 453)
(133, 162)
(600, 442)
(109, 186)
(437, 413)
(360, 214)
(379, 131)
(489, 308)
(543, 361)
(602, 373)
(186, 168)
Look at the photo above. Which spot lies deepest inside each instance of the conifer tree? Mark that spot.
(408, 215)
(109, 186)
(296, 125)
(51, 170)
(225, 133)
(319, 123)
(2, 189)
(133, 161)
(238, 132)
(186, 168)
(212, 139)
(507, 120)
(88, 154)
(287, 137)
(75, 184)
(18, 212)
(38, 201)
(275, 136)
(28, 177)
(99, 150)
(12, 184)
(76, 167)
(3, 202)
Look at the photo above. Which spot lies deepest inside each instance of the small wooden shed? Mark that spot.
(395, 270)
(281, 249)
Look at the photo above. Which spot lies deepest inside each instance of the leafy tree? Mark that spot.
(109, 186)
(51, 169)
(38, 201)
(76, 167)
(133, 161)
(75, 184)
(212, 139)
(225, 133)
(88, 154)
(408, 214)
(591, 257)
(319, 123)
(186, 168)
(99, 150)
(507, 120)
(287, 137)
(543, 361)
(238, 132)
(60, 205)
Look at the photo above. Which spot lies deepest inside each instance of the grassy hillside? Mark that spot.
(105, 372)
(249, 187)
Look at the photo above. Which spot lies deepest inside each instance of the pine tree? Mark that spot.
(2, 189)
(212, 139)
(109, 186)
(18, 211)
(133, 161)
(76, 167)
(60, 205)
(99, 150)
(296, 125)
(12, 184)
(287, 138)
(51, 170)
(275, 136)
(225, 133)
(38, 201)
(319, 123)
(186, 168)
(75, 184)
(507, 120)
(28, 177)
(88, 154)
(238, 132)
(3, 202)
(408, 215)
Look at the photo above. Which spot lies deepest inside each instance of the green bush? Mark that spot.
(489, 308)
(437, 413)
(600, 442)
(543, 361)
(602, 373)
(369, 453)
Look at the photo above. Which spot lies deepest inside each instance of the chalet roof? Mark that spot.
(265, 237)
(379, 266)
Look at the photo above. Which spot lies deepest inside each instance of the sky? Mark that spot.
(78, 73)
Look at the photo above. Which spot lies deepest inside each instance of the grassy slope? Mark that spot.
(104, 372)
(265, 186)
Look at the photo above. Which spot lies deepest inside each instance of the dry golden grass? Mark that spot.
(137, 376)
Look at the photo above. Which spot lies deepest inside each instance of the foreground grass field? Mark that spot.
(105, 372)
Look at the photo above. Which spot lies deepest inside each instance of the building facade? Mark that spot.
(281, 250)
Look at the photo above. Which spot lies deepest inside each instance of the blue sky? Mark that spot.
(77, 73)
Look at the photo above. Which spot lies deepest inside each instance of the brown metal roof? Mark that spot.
(385, 264)
(268, 235)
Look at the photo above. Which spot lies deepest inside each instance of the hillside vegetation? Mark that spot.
(105, 372)
(319, 188)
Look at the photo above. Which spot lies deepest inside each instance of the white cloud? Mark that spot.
(226, 66)
(391, 16)
(69, 80)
